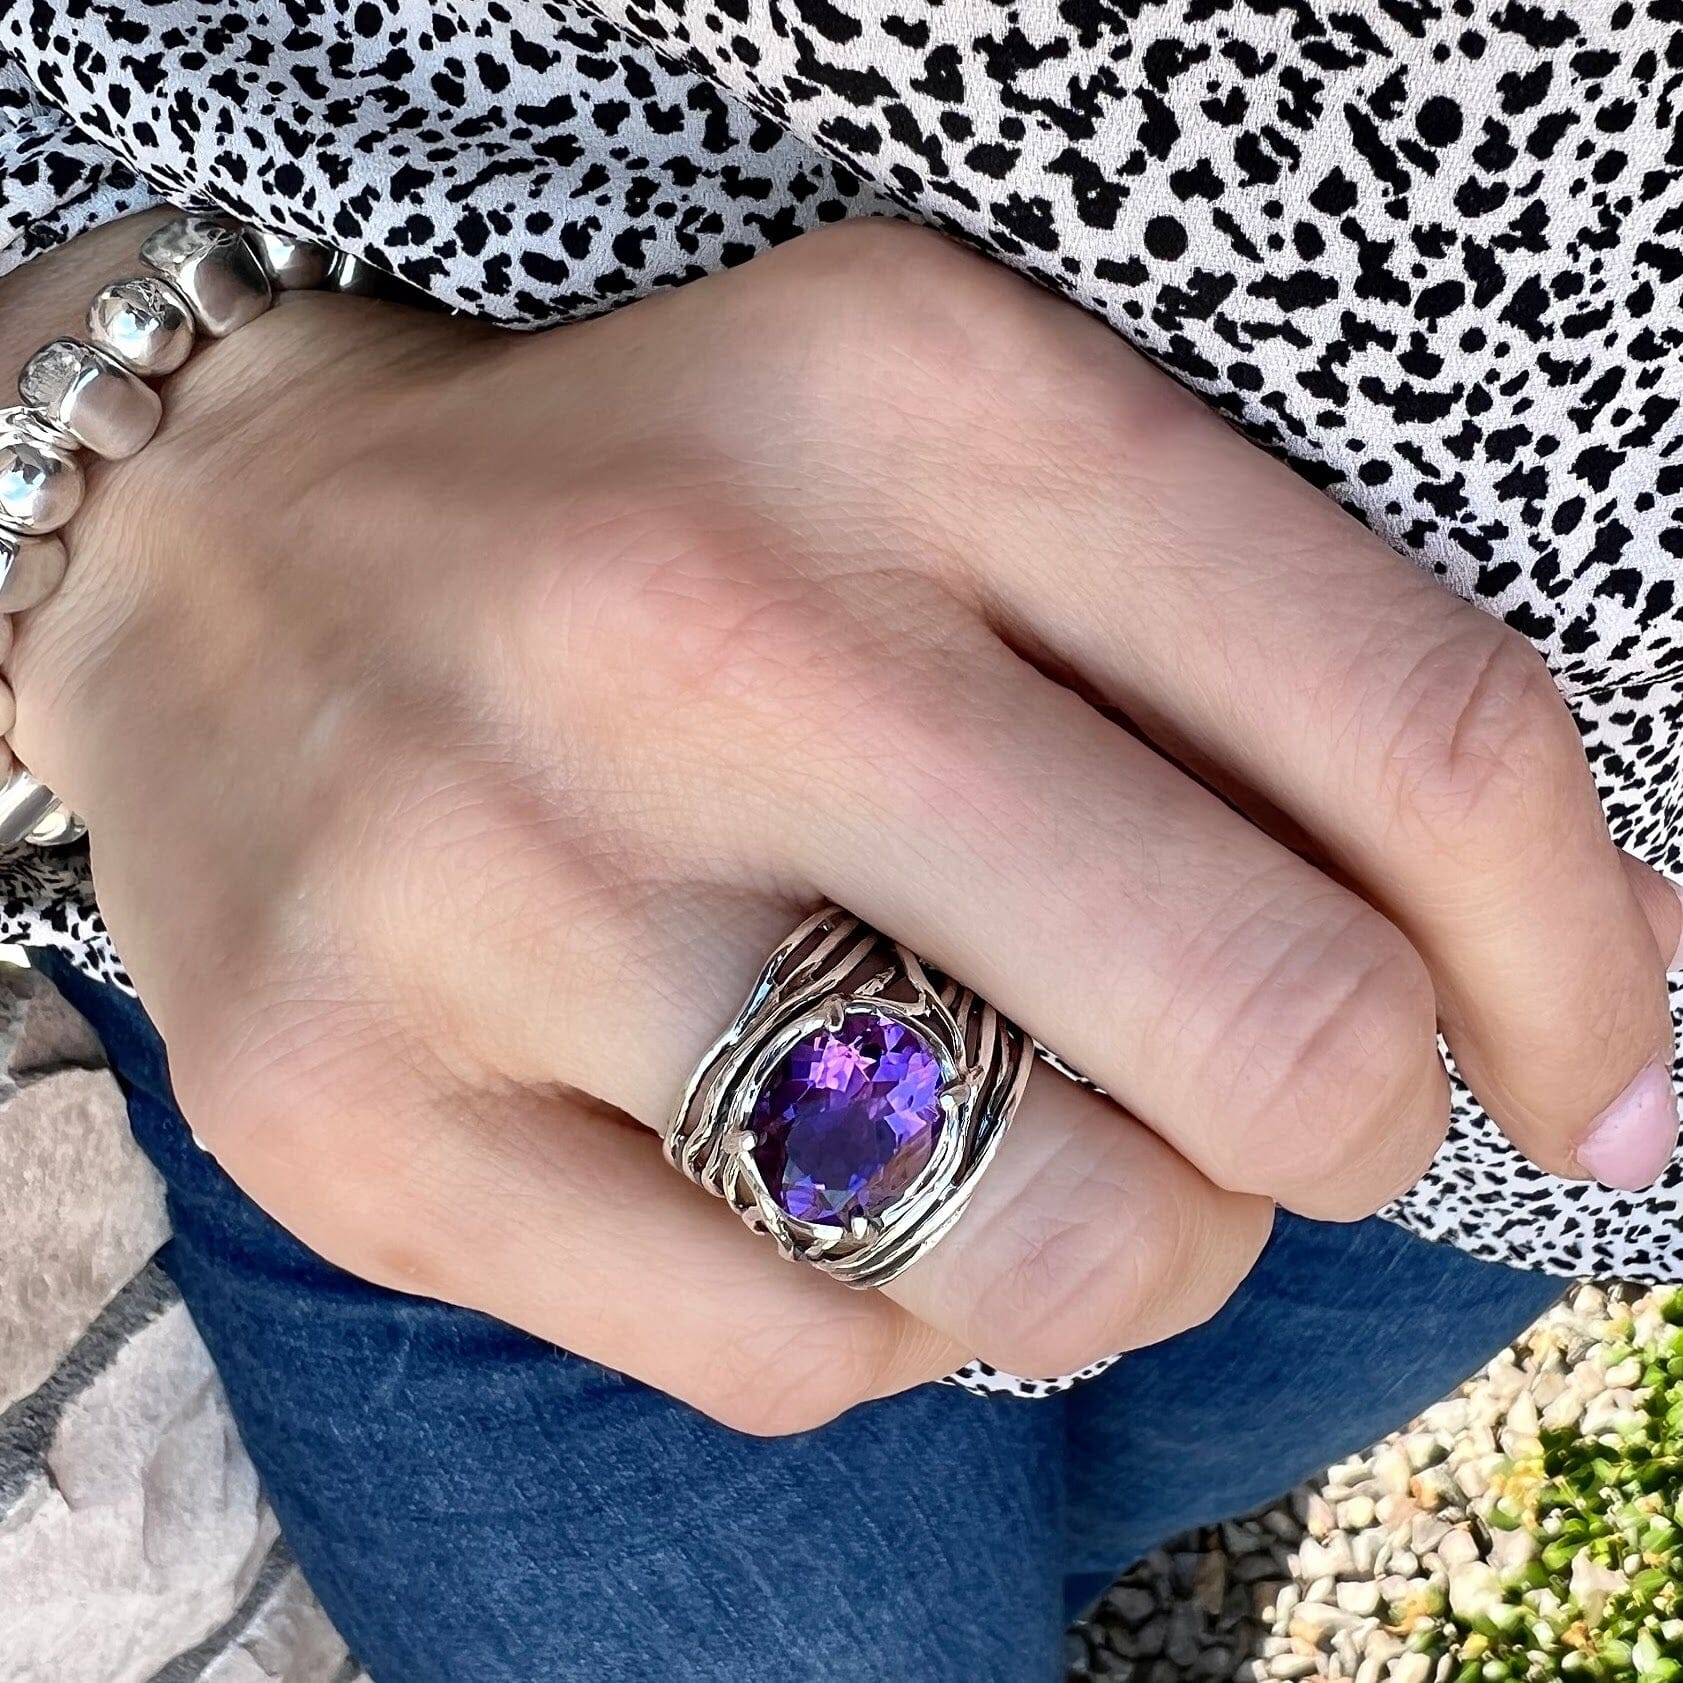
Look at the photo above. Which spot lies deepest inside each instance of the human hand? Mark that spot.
(460, 718)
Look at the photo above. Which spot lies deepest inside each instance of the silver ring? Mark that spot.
(88, 394)
(851, 1107)
(209, 263)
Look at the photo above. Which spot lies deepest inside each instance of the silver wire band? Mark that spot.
(831, 966)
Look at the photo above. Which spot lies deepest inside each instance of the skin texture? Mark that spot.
(461, 717)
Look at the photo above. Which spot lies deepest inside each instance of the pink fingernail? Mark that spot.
(1677, 957)
(1632, 1140)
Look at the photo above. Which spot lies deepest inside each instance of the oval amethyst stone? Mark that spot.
(848, 1118)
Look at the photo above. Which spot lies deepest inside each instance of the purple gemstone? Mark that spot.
(848, 1118)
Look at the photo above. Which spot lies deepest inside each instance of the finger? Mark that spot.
(561, 1216)
(1240, 618)
(1086, 1235)
(1661, 900)
(1267, 1023)
(562, 1219)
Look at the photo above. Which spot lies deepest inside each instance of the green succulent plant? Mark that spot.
(1601, 1599)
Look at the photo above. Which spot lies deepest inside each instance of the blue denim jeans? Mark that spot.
(475, 1506)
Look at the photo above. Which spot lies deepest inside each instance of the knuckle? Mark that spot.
(906, 331)
(1079, 1290)
(870, 274)
(1484, 749)
(670, 602)
(1338, 1042)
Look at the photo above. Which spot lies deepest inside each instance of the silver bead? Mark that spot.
(31, 569)
(40, 484)
(92, 397)
(57, 827)
(351, 274)
(24, 804)
(292, 265)
(24, 422)
(144, 323)
(211, 266)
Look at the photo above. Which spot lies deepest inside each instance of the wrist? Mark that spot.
(90, 403)
(49, 295)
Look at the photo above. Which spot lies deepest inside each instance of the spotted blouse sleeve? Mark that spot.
(55, 183)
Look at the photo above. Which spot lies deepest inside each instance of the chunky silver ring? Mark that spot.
(88, 394)
(851, 1107)
(209, 263)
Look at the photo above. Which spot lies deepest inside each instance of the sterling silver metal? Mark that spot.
(352, 275)
(144, 323)
(209, 263)
(31, 812)
(32, 424)
(832, 964)
(40, 482)
(292, 265)
(30, 571)
(88, 394)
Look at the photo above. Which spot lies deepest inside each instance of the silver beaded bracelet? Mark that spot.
(205, 277)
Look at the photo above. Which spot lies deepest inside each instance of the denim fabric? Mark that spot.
(474, 1506)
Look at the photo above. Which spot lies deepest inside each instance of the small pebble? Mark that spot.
(1356, 1514)
(1624, 1374)
(1186, 1634)
(1289, 1667)
(1333, 1558)
(1457, 1546)
(1392, 1471)
(1209, 1582)
(1133, 1603)
(1360, 1598)
(1475, 1587)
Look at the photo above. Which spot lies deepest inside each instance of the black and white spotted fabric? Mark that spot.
(1429, 250)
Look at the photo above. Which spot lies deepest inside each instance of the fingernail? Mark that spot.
(1632, 1140)
(1677, 957)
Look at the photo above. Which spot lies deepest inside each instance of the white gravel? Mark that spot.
(1337, 1579)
